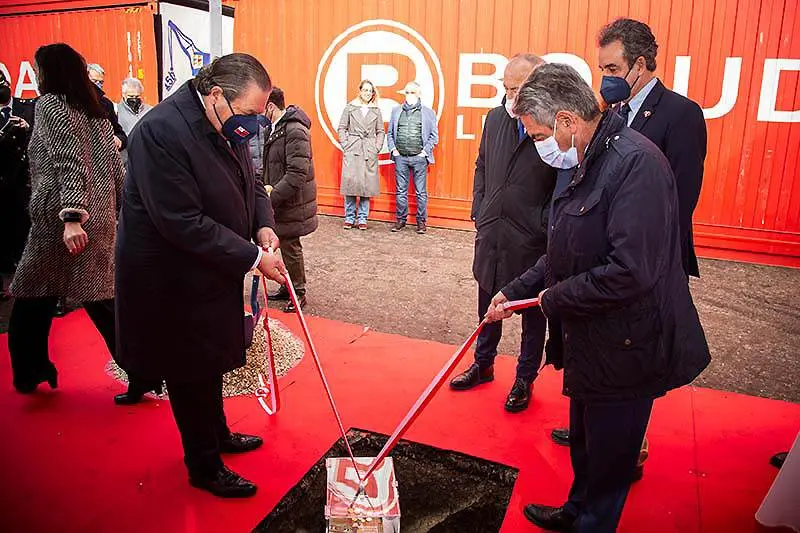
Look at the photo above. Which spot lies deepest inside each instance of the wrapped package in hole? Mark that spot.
(376, 509)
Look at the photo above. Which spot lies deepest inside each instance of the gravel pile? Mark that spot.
(287, 348)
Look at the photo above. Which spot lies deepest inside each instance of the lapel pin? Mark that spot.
(647, 114)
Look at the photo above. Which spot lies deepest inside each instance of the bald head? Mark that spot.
(517, 71)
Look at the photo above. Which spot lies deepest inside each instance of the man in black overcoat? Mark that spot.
(191, 210)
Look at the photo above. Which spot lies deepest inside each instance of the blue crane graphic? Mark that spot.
(197, 58)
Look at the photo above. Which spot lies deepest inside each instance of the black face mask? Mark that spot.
(135, 103)
(5, 94)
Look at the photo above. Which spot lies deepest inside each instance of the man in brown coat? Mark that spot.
(289, 178)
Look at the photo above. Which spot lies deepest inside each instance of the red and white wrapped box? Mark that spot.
(376, 509)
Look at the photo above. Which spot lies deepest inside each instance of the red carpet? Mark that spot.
(72, 461)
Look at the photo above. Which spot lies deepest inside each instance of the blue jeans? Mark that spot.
(604, 444)
(350, 209)
(403, 166)
(534, 326)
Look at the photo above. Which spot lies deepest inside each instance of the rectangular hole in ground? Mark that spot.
(440, 491)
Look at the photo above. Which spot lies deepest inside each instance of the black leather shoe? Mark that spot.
(422, 227)
(280, 294)
(778, 459)
(638, 474)
(560, 436)
(549, 518)
(225, 484)
(27, 386)
(135, 393)
(398, 226)
(290, 308)
(472, 377)
(240, 443)
(519, 397)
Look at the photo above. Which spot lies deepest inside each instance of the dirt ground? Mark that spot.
(421, 286)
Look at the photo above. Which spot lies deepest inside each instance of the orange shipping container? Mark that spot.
(121, 39)
(740, 60)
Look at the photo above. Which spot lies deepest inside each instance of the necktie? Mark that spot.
(624, 112)
(521, 129)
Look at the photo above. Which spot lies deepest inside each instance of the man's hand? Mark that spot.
(267, 238)
(395, 153)
(540, 301)
(268, 188)
(75, 238)
(117, 142)
(496, 311)
(272, 267)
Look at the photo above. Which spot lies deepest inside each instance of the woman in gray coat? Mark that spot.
(76, 176)
(361, 135)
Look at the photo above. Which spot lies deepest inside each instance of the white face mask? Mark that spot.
(509, 107)
(412, 99)
(552, 155)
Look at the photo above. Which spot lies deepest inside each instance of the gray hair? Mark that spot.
(232, 73)
(532, 59)
(132, 84)
(96, 68)
(553, 88)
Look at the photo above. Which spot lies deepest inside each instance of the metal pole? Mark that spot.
(215, 27)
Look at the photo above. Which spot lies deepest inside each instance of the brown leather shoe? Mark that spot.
(347, 225)
(472, 377)
(520, 396)
(363, 226)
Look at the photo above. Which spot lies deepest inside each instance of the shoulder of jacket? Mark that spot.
(681, 101)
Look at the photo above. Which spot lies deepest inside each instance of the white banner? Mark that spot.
(186, 43)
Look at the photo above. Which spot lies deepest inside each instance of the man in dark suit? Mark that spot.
(98, 77)
(14, 183)
(510, 199)
(673, 122)
(627, 57)
(191, 207)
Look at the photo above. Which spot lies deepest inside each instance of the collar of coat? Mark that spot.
(357, 103)
(610, 124)
(189, 105)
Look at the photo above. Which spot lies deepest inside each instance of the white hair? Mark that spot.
(95, 67)
(132, 84)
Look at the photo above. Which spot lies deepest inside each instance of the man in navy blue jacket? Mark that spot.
(629, 330)
(627, 56)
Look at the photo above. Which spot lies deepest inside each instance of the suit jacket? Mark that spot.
(191, 205)
(430, 131)
(676, 125)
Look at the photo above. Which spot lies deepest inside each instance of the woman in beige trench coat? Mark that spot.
(361, 135)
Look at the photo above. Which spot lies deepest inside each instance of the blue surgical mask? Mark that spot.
(551, 154)
(240, 128)
(615, 89)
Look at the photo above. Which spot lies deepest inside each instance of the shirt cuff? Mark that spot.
(258, 259)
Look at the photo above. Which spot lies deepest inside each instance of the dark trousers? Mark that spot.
(198, 411)
(29, 330)
(534, 325)
(605, 439)
(292, 253)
